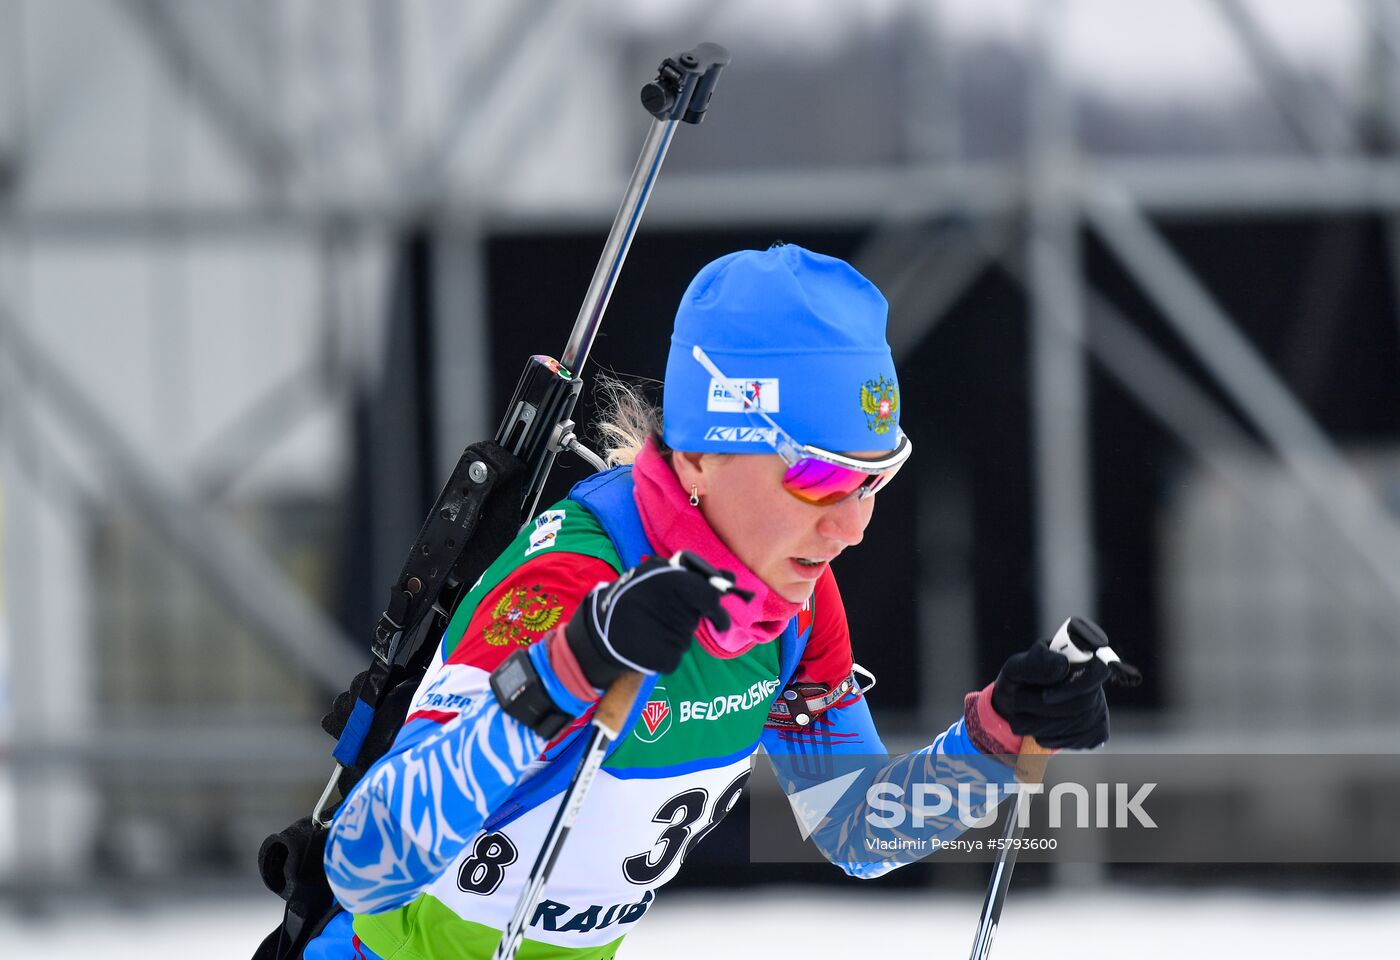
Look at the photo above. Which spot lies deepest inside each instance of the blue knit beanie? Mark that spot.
(802, 335)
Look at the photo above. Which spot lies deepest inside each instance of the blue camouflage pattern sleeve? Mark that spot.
(865, 833)
(845, 727)
(415, 810)
(458, 756)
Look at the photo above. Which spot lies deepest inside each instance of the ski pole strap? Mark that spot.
(358, 723)
(388, 632)
(800, 703)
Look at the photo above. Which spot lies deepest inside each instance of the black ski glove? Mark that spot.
(646, 619)
(1042, 695)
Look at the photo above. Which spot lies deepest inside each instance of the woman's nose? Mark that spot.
(845, 521)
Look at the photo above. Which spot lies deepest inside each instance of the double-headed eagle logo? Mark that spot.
(879, 401)
(521, 615)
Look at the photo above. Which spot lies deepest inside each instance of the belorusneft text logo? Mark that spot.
(1105, 805)
(757, 695)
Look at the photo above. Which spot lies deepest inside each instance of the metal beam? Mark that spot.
(320, 381)
(1382, 17)
(242, 121)
(256, 429)
(856, 196)
(182, 749)
(1337, 492)
(1059, 412)
(1321, 128)
(931, 119)
(1058, 389)
(923, 268)
(386, 52)
(14, 92)
(1191, 416)
(1170, 396)
(478, 82)
(217, 551)
(1385, 37)
(461, 369)
(1255, 187)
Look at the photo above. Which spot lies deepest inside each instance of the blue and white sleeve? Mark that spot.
(456, 760)
(859, 833)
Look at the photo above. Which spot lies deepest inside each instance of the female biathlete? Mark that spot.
(781, 423)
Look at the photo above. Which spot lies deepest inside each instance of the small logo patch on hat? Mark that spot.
(737, 396)
(741, 434)
(879, 401)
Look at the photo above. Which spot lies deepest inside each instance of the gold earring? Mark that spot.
(694, 495)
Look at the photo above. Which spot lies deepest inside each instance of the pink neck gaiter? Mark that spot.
(672, 524)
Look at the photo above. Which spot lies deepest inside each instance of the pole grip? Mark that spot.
(1030, 764)
(617, 703)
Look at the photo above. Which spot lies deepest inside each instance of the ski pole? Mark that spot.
(607, 726)
(1078, 647)
(609, 722)
(1030, 768)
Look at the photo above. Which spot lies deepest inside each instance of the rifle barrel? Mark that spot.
(624, 227)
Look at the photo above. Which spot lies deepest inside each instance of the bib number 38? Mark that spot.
(680, 814)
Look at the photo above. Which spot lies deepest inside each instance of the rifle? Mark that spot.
(461, 536)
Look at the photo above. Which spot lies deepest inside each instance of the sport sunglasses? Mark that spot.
(815, 475)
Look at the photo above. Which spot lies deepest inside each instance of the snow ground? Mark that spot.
(1140, 925)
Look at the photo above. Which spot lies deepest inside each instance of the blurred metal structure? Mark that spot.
(280, 138)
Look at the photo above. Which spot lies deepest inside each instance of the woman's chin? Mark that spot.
(796, 592)
(784, 584)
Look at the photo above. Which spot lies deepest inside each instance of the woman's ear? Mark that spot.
(689, 469)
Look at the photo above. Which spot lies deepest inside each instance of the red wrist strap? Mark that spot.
(565, 664)
(987, 729)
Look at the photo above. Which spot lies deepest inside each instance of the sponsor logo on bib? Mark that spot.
(556, 917)
(757, 695)
(656, 717)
